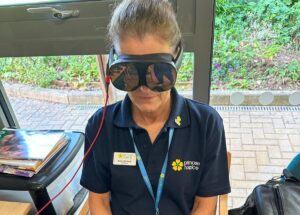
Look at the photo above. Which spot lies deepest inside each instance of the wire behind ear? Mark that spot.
(179, 57)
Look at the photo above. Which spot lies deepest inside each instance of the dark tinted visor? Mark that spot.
(156, 71)
(157, 76)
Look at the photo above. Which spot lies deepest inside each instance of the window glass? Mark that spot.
(61, 92)
(255, 73)
(184, 80)
(256, 45)
(23, 2)
(52, 92)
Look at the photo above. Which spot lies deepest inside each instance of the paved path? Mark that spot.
(262, 142)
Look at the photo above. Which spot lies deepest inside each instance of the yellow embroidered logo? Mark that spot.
(177, 165)
(178, 120)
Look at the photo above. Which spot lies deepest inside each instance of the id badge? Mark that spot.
(124, 159)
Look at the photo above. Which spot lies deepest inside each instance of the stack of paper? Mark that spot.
(25, 152)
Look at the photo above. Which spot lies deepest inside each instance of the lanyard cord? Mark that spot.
(145, 175)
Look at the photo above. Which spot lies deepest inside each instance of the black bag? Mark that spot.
(279, 196)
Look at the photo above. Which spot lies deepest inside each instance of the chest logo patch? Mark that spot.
(179, 165)
(178, 120)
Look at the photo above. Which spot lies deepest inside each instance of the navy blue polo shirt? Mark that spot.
(197, 163)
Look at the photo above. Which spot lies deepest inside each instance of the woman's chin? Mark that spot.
(148, 108)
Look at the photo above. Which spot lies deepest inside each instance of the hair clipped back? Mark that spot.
(137, 18)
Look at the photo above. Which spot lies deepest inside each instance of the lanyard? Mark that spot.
(162, 173)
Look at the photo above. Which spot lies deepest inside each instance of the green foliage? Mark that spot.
(271, 51)
(295, 29)
(293, 70)
(79, 68)
(288, 71)
(250, 33)
(42, 71)
(31, 70)
(185, 72)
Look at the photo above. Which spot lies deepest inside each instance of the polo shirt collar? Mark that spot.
(179, 116)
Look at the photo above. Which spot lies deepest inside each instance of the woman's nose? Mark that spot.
(144, 89)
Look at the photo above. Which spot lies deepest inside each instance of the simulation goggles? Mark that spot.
(156, 71)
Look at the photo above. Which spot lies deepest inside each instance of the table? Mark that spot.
(14, 208)
(40, 188)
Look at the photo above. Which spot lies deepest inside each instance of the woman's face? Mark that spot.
(144, 99)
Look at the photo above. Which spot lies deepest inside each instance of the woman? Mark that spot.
(158, 153)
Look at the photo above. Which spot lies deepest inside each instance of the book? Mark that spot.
(16, 171)
(28, 144)
(28, 150)
(32, 165)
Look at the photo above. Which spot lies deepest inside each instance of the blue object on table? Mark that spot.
(294, 167)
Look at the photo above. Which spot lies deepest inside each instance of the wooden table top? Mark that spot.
(14, 208)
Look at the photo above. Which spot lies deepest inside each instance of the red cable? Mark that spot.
(85, 155)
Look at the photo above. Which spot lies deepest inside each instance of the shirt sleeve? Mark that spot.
(214, 176)
(95, 172)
